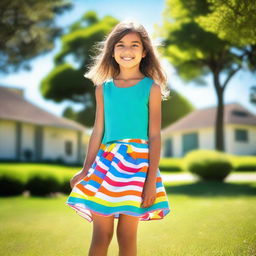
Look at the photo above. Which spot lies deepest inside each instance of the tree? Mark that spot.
(66, 81)
(235, 22)
(182, 108)
(195, 52)
(27, 29)
(231, 20)
(69, 113)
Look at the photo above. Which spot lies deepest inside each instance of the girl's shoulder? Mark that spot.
(150, 80)
(106, 82)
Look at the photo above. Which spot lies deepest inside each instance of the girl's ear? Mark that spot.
(144, 53)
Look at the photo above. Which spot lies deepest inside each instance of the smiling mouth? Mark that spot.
(127, 59)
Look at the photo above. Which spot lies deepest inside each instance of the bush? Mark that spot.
(170, 164)
(11, 184)
(245, 168)
(208, 164)
(43, 183)
(244, 163)
(170, 168)
(65, 185)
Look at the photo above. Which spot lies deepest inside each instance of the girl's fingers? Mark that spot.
(143, 203)
(153, 200)
(147, 202)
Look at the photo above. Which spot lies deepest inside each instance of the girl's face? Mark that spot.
(128, 52)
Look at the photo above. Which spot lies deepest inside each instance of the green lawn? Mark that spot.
(206, 219)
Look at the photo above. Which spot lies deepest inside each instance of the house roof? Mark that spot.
(13, 106)
(234, 113)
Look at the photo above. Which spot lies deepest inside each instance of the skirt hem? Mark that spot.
(79, 212)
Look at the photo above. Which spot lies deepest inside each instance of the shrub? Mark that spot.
(246, 168)
(170, 164)
(65, 185)
(43, 183)
(11, 184)
(59, 160)
(170, 168)
(208, 164)
(244, 163)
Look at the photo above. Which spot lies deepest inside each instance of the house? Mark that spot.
(29, 133)
(197, 131)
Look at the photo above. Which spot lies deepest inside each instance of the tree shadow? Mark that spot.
(212, 188)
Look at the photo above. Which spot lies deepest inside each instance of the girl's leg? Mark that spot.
(127, 235)
(103, 229)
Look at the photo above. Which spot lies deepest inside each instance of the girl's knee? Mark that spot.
(103, 228)
(127, 228)
(104, 237)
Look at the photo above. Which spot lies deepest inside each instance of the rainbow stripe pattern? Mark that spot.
(114, 183)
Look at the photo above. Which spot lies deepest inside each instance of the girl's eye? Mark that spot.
(122, 45)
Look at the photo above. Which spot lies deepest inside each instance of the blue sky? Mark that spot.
(148, 13)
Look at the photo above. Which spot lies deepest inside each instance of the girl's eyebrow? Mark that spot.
(132, 42)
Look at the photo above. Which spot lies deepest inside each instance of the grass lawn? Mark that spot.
(205, 219)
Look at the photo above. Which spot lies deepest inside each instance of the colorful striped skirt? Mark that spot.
(114, 183)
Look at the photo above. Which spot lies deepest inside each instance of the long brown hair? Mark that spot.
(104, 66)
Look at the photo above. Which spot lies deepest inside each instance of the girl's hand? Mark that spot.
(148, 193)
(77, 177)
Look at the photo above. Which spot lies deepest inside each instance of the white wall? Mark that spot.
(7, 139)
(207, 140)
(27, 139)
(239, 147)
(54, 143)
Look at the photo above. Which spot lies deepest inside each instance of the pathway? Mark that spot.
(191, 177)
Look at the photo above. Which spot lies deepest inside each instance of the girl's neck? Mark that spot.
(128, 77)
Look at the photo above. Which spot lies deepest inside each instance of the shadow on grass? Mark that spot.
(212, 188)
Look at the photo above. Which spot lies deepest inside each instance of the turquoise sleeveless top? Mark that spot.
(126, 112)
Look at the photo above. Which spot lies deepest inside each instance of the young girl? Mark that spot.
(120, 177)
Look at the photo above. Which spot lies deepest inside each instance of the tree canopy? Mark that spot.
(27, 29)
(66, 80)
(231, 20)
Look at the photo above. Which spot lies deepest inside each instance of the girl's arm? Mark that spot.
(98, 130)
(149, 189)
(154, 131)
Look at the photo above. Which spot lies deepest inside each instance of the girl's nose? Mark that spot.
(127, 48)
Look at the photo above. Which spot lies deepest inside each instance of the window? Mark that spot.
(240, 113)
(241, 135)
(189, 142)
(168, 147)
(68, 148)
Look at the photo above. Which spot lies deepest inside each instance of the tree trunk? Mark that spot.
(219, 125)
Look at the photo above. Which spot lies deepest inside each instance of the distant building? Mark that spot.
(196, 131)
(29, 133)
